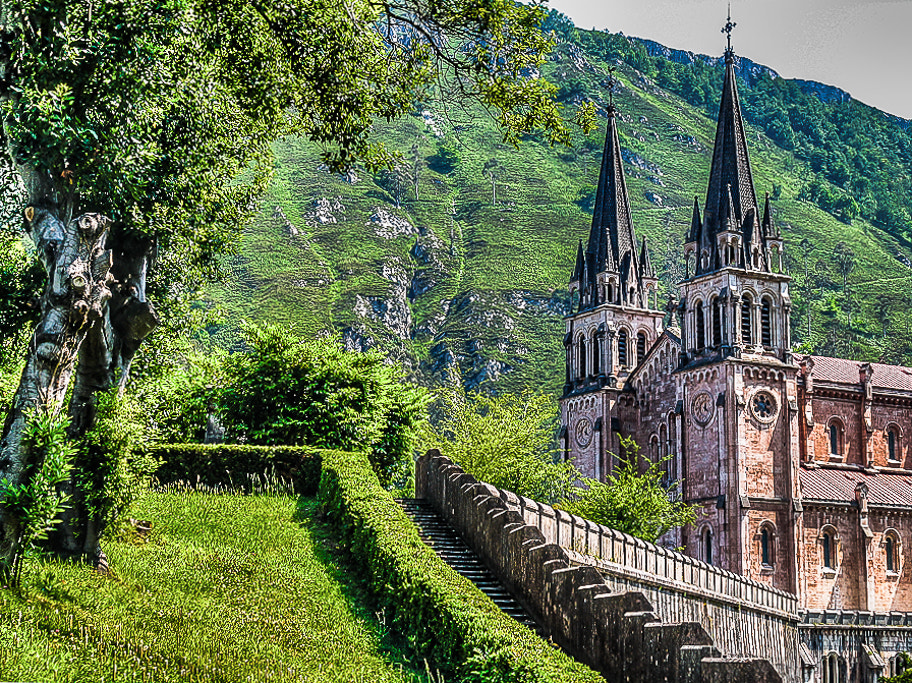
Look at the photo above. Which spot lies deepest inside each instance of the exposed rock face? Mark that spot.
(748, 70)
(324, 210)
(393, 311)
(389, 225)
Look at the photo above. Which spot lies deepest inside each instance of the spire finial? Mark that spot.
(727, 29)
(611, 83)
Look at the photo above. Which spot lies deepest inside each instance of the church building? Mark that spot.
(801, 465)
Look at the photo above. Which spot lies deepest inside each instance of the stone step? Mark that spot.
(436, 533)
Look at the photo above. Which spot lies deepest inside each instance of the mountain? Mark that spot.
(457, 263)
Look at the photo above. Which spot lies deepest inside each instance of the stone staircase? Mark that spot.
(451, 549)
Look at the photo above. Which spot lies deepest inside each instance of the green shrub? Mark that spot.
(444, 616)
(111, 468)
(235, 465)
(506, 441)
(286, 390)
(32, 509)
(631, 501)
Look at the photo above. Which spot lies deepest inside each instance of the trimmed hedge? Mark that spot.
(444, 616)
(235, 464)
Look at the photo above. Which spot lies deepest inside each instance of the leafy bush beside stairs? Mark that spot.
(237, 466)
(445, 617)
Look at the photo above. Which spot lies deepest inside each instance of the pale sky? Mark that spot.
(863, 47)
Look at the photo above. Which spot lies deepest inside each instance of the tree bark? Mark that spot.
(75, 297)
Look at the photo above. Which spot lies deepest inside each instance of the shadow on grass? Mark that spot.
(393, 646)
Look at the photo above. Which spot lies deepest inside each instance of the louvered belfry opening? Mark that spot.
(746, 327)
(622, 348)
(717, 323)
(766, 334)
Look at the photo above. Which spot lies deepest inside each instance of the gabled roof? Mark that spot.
(845, 371)
(838, 485)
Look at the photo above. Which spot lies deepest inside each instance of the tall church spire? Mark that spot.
(612, 225)
(731, 203)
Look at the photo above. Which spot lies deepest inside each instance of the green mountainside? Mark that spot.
(456, 264)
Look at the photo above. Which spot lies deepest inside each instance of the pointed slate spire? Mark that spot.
(767, 217)
(578, 270)
(696, 223)
(731, 203)
(612, 225)
(646, 269)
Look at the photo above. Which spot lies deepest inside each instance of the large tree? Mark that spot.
(137, 138)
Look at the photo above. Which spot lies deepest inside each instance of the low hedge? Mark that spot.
(445, 617)
(235, 464)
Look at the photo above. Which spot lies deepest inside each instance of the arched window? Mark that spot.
(899, 663)
(622, 348)
(767, 546)
(610, 293)
(717, 322)
(707, 545)
(582, 357)
(701, 327)
(746, 331)
(893, 444)
(597, 354)
(828, 547)
(641, 346)
(831, 669)
(891, 551)
(835, 436)
(766, 333)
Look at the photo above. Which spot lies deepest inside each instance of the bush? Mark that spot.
(179, 400)
(444, 616)
(506, 441)
(632, 501)
(287, 391)
(237, 465)
(111, 468)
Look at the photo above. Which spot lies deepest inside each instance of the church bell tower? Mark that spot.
(613, 322)
(736, 380)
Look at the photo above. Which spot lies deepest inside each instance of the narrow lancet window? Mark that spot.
(622, 348)
(701, 327)
(766, 333)
(746, 331)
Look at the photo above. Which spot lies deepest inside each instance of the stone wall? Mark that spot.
(743, 617)
(613, 627)
(864, 644)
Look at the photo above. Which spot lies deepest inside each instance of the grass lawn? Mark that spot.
(228, 588)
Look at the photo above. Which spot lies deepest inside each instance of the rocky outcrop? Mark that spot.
(388, 225)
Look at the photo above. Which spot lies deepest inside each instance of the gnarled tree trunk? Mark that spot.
(94, 317)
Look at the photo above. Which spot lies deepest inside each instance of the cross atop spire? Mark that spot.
(727, 29)
(611, 84)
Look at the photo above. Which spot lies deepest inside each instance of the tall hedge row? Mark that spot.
(446, 617)
(234, 465)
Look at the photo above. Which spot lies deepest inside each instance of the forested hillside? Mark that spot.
(456, 263)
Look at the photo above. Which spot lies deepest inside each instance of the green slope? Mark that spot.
(454, 285)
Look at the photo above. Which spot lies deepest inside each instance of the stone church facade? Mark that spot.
(802, 465)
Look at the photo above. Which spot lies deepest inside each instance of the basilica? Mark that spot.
(801, 465)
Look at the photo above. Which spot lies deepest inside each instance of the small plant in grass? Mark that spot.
(35, 506)
(111, 468)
